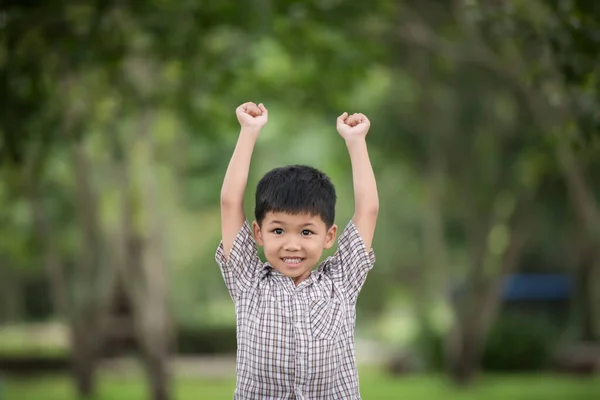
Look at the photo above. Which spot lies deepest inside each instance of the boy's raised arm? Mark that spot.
(354, 129)
(252, 119)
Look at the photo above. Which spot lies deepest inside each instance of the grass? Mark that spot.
(373, 386)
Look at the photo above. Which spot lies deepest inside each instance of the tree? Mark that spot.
(480, 155)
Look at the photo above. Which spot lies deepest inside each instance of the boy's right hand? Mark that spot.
(251, 116)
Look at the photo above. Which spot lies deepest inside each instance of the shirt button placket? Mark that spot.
(301, 344)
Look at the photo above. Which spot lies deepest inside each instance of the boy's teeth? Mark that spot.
(292, 260)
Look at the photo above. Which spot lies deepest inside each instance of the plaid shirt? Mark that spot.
(296, 342)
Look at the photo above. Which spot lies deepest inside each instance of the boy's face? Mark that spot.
(293, 244)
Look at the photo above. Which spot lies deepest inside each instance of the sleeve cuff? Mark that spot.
(240, 241)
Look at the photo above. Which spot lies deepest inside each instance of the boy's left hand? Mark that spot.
(353, 126)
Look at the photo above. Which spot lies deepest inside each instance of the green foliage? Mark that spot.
(515, 343)
(206, 340)
(519, 343)
(430, 349)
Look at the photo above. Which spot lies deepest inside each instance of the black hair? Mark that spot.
(296, 189)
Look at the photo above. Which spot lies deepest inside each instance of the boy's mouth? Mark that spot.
(292, 261)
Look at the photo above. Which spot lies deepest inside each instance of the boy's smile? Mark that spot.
(293, 243)
(292, 262)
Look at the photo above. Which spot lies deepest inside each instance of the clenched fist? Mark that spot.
(353, 126)
(252, 116)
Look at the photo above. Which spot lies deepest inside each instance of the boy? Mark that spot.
(295, 326)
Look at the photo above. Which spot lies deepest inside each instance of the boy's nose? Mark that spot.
(292, 245)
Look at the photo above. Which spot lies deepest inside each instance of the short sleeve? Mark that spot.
(241, 268)
(351, 262)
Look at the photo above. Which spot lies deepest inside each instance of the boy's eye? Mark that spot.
(278, 231)
(306, 232)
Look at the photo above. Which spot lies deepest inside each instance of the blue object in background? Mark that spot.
(537, 287)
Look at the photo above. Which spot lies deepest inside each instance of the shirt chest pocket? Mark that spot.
(326, 317)
(264, 315)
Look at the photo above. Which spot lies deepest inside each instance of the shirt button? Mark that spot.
(298, 325)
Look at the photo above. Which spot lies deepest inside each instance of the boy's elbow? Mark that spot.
(370, 211)
(373, 211)
(229, 201)
(374, 208)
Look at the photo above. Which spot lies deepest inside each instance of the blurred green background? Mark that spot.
(117, 127)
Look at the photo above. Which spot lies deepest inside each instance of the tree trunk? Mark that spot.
(586, 301)
(156, 359)
(432, 274)
(94, 279)
(82, 299)
(465, 352)
(588, 214)
(469, 333)
(580, 191)
(475, 314)
(589, 330)
(84, 374)
(156, 323)
(143, 264)
(84, 335)
(84, 361)
(11, 296)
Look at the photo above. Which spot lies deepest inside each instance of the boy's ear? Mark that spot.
(257, 233)
(330, 236)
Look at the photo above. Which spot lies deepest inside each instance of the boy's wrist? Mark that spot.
(250, 130)
(356, 141)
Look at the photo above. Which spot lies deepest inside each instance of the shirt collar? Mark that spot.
(310, 279)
